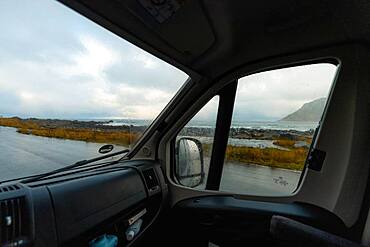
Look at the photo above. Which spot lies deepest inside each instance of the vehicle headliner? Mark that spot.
(211, 38)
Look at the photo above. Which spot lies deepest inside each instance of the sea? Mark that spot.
(273, 125)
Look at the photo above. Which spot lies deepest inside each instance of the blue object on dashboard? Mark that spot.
(104, 241)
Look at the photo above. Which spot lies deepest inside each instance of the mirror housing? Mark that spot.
(106, 149)
(189, 162)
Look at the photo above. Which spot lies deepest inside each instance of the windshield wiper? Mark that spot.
(69, 167)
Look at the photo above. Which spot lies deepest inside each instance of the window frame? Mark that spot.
(223, 124)
(216, 172)
(173, 168)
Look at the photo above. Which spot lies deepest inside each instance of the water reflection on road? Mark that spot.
(23, 155)
(258, 180)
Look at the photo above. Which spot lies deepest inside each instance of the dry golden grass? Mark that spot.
(284, 143)
(293, 159)
(18, 123)
(29, 127)
(114, 137)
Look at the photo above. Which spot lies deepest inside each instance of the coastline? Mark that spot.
(286, 154)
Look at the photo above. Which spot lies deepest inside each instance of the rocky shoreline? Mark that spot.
(237, 133)
(291, 153)
(256, 134)
(80, 124)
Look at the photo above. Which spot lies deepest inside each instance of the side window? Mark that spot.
(275, 116)
(194, 146)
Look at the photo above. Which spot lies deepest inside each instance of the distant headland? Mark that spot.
(309, 112)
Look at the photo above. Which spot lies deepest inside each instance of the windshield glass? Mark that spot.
(68, 86)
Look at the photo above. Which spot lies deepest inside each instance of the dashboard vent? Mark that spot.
(9, 188)
(11, 214)
(151, 179)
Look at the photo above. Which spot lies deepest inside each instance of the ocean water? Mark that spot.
(273, 125)
(120, 122)
(254, 143)
(276, 125)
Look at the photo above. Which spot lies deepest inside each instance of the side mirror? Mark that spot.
(189, 162)
(106, 149)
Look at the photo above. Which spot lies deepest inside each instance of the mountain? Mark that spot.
(309, 112)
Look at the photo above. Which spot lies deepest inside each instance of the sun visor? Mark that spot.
(181, 24)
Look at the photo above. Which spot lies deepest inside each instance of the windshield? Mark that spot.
(68, 86)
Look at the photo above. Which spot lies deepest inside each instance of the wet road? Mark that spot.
(24, 155)
(255, 179)
(258, 180)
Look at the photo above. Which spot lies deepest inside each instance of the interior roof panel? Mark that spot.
(214, 37)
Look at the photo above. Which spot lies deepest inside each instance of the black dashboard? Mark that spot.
(74, 209)
(119, 202)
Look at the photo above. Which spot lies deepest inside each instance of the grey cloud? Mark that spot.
(47, 71)
(130, 70)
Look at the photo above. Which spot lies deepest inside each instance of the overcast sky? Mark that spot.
(274, 94)
(55, 63)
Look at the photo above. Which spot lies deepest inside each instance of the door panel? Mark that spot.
(228, 221)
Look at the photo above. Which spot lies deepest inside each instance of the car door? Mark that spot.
(252, 172)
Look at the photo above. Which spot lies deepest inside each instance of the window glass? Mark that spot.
(68, 86)
(194, 146)
(274, 119)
